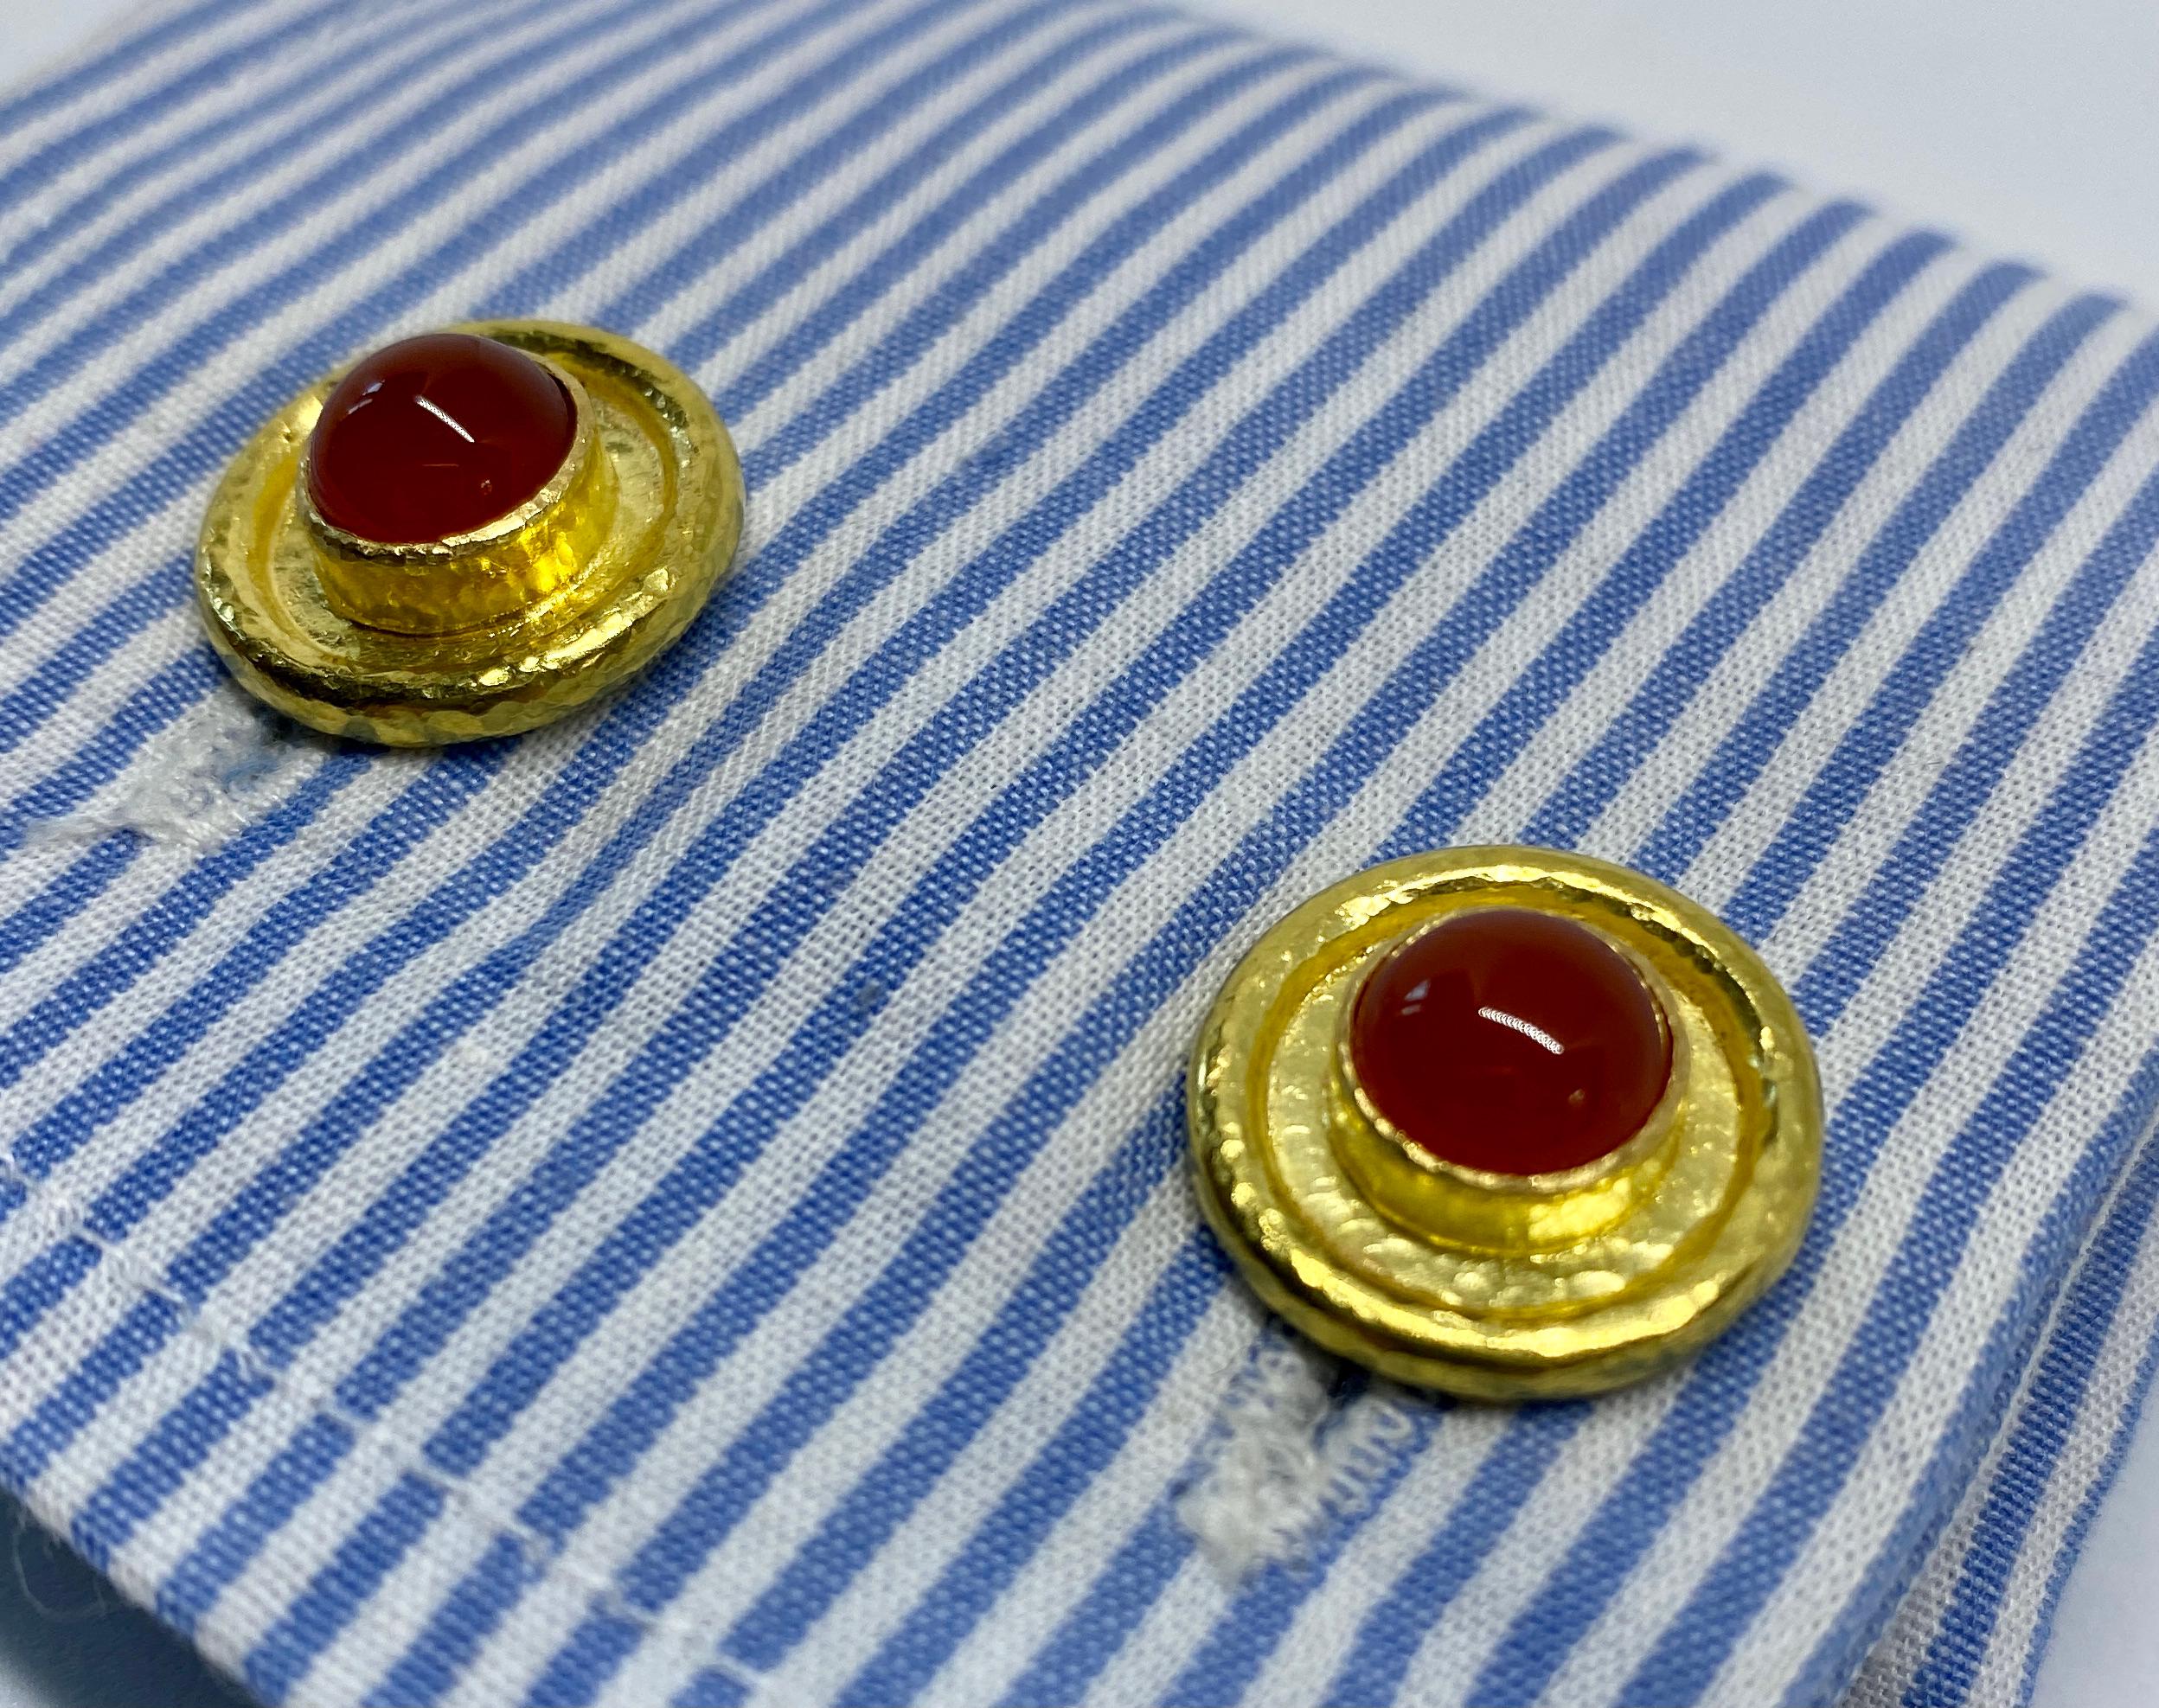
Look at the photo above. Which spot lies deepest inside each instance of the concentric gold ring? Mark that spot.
(1494, 1288)
(564, 599)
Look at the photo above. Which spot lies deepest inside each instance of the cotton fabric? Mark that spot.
(689, 1204)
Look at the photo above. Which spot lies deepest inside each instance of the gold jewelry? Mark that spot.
(1482, 1283)
(492, 629)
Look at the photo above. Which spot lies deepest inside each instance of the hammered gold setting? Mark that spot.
(1506, 1212)
(501, 630)
(440, 586)
(1498, 1287)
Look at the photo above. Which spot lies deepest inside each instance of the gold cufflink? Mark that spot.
(469, 532)
(1505, 1121)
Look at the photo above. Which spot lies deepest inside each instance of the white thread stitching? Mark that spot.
(222, 778)
(64, 1217)
(202, 787)
(1288, 1464)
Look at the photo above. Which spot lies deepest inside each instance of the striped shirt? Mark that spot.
(690, 1206)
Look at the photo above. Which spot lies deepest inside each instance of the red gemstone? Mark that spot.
(1510, 1040)
(435, 436)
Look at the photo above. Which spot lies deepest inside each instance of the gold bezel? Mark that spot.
(1651, 1136)
(504, 526)
(1500, 1287)
(505, 629)
(537, 552)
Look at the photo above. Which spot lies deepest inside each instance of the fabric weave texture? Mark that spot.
(688, 1206)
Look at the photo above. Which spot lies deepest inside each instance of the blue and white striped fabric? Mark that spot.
(690, 1206)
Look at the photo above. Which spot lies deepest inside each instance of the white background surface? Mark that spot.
(2026, 126)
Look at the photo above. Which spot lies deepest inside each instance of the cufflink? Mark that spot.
(468, 533)
(1504, 1121)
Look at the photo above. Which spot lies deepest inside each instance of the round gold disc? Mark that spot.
(618, 564)
(1571, 1288)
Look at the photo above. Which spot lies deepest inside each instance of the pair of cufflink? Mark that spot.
(1502, 1121)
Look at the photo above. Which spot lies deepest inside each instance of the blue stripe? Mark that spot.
(1685, 664)
(382, 1227)
(907, 937)
(1716, 1391)
(689, 1035)
(66, 1408)
(884, 1496)
(197, 195)
(72, 1002)
(402, 1516)
(537, 283)
(813, 423)
(34, 701)
(712, 1687)
(692, 259)
(191, 458)
(1956, 797)
(1083, 1447)
(1589, 631)
(1697, 1641)
(432, 799)
(349, 1114)
(181, 359)
(27, 245)
(1746, 748)
(2071, 1542)
(71, 148)
(51, 93)
(102, 759)
(1088, 1439)
(430, 1665)
(434, 796)
(33, 924)
(167, 694)
(1965, 786)
(1129, 1585)
(1390, 1632)
(224, 1550)
(2065, 1345)
(1865, 749)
